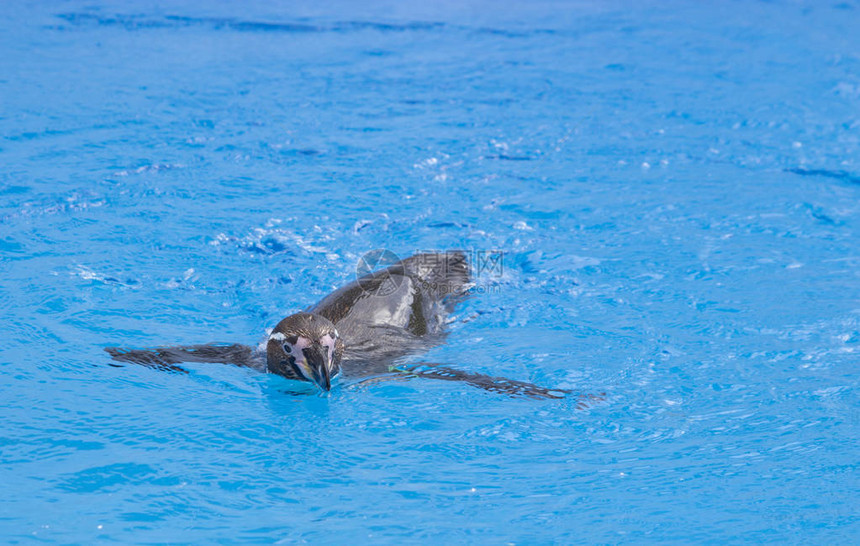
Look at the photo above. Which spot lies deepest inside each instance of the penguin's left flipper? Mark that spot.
(502, 385)
(166, 358)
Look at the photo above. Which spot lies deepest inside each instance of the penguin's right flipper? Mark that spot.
(500, 385)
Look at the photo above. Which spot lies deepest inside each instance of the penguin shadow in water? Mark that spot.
(364, 332)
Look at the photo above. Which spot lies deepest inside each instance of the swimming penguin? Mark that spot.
(363, 330)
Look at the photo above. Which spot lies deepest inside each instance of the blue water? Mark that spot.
(675, 187)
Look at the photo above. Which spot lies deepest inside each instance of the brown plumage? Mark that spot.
(363, 329)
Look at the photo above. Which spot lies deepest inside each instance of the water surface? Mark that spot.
(674, 187)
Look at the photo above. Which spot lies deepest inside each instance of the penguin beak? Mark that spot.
(318, 361)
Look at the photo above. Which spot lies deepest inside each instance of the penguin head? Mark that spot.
(306, 347)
